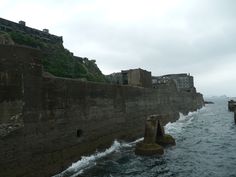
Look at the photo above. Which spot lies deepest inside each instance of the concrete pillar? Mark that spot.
(154, 137)
(235, 117)
(150, 130)
(149, 146)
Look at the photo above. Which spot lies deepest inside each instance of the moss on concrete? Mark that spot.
(165, 140)
(148, 149)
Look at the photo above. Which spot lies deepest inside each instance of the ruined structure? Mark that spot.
(115, 78)
(9, 26)
(154, 137)
(137, 77)
(59, 120)
(49, 122)
(134, 77)
(149, 146)
(183, 81)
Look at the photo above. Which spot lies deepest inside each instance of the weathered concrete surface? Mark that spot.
(154, 137)
(148, 149)
(63, 119)
(162, 138)
(231, 105)
(149, 146)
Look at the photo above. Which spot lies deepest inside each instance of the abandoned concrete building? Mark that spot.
(115, 78)
(134, 77)
(183, 81)
(137, 77)
(9, 26)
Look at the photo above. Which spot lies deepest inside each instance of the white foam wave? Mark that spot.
(88, 161)
(183, 120)
(134, 142)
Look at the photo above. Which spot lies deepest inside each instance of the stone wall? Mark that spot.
(65, 118)
(18, 67)
(8, 26)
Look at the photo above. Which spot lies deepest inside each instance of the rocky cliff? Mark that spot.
(61, 119)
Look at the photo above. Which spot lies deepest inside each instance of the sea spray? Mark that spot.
(206, 145)
(184, 120)
(87, 162)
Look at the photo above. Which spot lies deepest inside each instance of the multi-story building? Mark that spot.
(115, 78)
(134, 77)
(137, 77)
(183, 81)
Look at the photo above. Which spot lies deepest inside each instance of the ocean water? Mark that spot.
(205, 146)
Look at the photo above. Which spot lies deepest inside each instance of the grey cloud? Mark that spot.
(199, 37)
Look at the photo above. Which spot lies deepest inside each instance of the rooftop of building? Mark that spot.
(140, 69)
(173, 75)
(180, 74)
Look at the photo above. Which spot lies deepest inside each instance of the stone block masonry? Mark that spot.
(63, 119)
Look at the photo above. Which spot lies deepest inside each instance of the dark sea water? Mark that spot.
(205, 146)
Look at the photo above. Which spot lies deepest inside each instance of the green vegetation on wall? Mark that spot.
(59, 61)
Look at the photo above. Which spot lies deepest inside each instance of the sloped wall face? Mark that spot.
(21, 76)
(65, 118)
(10, 87)
(19, 66)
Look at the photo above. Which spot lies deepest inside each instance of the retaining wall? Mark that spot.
(63, 119)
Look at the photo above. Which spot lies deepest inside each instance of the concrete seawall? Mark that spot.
(61, 119)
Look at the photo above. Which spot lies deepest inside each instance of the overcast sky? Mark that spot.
(162, 36)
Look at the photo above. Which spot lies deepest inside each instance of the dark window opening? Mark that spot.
(79, 133)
